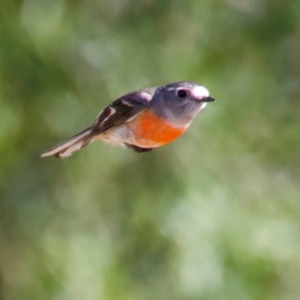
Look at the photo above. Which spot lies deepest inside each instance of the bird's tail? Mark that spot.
(68, 147)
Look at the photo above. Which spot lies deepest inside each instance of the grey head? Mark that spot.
(180, 102)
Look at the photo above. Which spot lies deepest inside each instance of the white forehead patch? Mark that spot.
(200, 92)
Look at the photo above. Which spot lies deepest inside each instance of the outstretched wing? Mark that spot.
(122, 110)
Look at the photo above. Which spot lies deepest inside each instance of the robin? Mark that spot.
(143, 119)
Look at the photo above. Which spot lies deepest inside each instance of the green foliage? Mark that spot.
(214, 215)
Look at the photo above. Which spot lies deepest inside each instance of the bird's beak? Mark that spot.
(207, 99)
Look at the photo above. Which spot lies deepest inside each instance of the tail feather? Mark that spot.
(68, 147)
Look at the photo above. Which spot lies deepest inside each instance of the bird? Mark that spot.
(141, 120)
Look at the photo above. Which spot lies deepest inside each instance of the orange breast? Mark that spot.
(153, 131)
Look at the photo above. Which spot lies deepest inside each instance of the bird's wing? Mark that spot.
(122, 110)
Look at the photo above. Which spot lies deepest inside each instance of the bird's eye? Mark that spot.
(181, 93)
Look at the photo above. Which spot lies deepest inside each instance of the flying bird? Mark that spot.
(142, 120)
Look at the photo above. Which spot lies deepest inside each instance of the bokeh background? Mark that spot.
(214, 215)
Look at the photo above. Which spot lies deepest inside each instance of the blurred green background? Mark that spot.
(214, 215)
